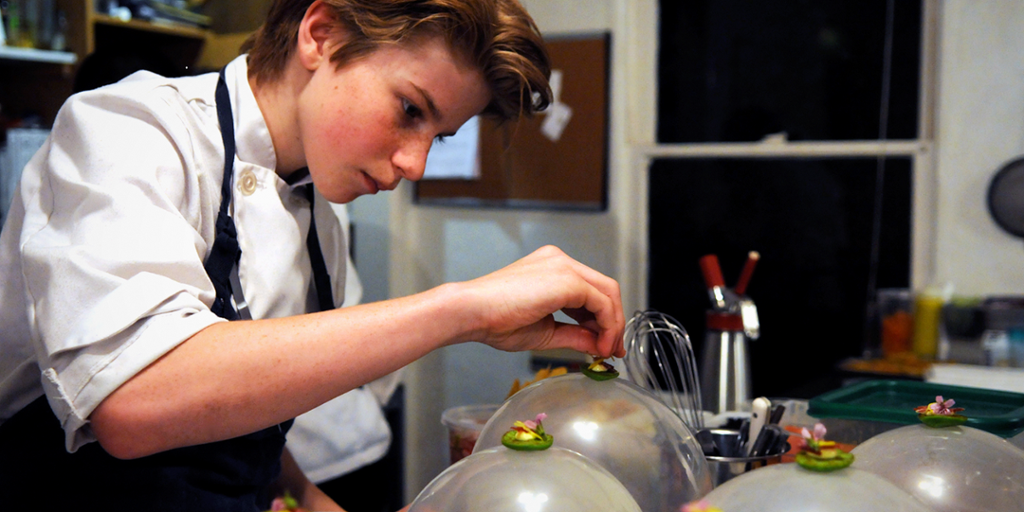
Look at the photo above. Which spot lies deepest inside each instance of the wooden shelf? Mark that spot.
(162, 27)
(34, 55)
(42, 87)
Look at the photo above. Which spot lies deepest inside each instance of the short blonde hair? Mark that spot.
(498, 36)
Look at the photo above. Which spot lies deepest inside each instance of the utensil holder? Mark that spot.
(725, 467)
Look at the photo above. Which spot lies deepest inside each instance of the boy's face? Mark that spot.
(370, 123)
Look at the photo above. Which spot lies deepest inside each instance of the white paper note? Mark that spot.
(458, 157)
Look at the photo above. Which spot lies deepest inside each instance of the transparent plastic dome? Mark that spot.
(618, 425)
(790, 488)
(949, 468)
(504, 480)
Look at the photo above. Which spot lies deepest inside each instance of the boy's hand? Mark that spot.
(516, 305)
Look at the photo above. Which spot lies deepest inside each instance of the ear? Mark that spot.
(318, 35)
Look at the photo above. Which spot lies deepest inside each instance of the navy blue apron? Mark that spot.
(231, 475)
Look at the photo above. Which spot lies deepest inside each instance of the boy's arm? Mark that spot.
(233, 378)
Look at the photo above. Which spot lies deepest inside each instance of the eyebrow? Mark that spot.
(431, 106)
(430, 103)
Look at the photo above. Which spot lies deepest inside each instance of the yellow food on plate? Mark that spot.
(541, 374)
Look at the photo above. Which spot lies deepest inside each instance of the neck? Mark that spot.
(277, 102)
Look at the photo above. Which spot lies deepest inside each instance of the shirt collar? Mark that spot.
(252, 137)
(299, 178)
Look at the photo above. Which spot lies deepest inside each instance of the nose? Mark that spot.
(411, 157)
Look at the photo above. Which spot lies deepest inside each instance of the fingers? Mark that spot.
(516, 304)
(601, 308)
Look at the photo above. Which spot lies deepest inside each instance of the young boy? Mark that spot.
(159, 209)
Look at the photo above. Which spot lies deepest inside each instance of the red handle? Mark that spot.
(712, 271)
(748, 270)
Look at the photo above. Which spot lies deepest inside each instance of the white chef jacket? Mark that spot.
(350, 431)
(102, 254)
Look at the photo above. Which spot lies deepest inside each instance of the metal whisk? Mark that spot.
(659, 358)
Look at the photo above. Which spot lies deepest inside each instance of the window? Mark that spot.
(771, 118)
(739, 70)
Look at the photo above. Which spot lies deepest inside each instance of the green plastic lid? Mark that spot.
(893, 401)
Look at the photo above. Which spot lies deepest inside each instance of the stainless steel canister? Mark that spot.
(725, 364)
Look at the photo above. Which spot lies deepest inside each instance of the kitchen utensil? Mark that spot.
(758, 419)
(729, 459)
(770, 440)
(659, 358)
(725, 367)
(725, 381)
(747, 272)
(715, 283)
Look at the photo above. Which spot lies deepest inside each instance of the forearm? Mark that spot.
(233, 378)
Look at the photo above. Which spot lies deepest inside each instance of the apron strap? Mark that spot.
(321, 278)
(225, 253)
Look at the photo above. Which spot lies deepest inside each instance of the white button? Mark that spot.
(247, 182)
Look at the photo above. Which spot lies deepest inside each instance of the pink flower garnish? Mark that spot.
(533, 424)
(812, 440)
(278, 504)
(939, 408)
(818, 435)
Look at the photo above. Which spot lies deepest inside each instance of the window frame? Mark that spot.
(636, 107)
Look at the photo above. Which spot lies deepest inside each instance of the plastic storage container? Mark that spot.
(856, 413)
(464, 424)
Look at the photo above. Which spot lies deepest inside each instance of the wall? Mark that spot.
(980, 127)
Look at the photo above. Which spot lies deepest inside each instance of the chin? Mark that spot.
(340, 198)
(336, 194)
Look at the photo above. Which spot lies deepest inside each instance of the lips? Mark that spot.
(373, 185)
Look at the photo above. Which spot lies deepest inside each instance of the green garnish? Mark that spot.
(528, 435)
(813, 463)
(510, 441)
(817, 454)
(940, 413)
(600, 370)
(939, 421)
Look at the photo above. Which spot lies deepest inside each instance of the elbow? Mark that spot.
(119, 433)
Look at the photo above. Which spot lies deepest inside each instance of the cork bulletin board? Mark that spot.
(560, 165)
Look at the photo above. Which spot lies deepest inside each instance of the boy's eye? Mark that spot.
(440, 139)
(410, 109)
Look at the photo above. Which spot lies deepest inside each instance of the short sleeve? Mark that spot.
(113, 245)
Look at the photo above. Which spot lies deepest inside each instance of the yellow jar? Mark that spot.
(927, 321)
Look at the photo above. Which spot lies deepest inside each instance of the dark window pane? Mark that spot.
(811, 221)
(738, 70)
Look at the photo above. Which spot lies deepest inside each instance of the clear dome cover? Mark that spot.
(949, 468)
(622, 427)
(504, 480)
(789, 488)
